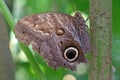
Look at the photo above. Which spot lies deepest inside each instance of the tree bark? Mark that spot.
(101, 40)
(6, 62)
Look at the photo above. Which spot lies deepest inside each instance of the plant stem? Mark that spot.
(5, 56)
(5, 11)
(101, 40)
(32, 61)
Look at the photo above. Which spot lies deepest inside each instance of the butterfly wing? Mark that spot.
(50, 35)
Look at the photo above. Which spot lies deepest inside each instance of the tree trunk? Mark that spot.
(101, 40)
(6, 62)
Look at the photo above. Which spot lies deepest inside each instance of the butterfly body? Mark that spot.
(60, 38)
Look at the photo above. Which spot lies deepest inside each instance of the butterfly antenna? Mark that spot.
(87, 19)
(73, 7)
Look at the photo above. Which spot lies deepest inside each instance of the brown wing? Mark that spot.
(38, 26)
(83, 34)
(46, 31)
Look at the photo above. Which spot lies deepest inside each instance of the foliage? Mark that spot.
(27, 7)
(22, 8)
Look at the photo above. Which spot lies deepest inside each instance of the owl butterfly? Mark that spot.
(60, 38)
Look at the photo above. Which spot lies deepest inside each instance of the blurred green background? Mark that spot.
(23, 70)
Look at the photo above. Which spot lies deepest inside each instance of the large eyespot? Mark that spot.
(71, 54)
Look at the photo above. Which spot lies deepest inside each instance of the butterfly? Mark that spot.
(61, 39)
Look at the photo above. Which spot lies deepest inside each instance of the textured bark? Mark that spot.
(101, 39)
(6, 62)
